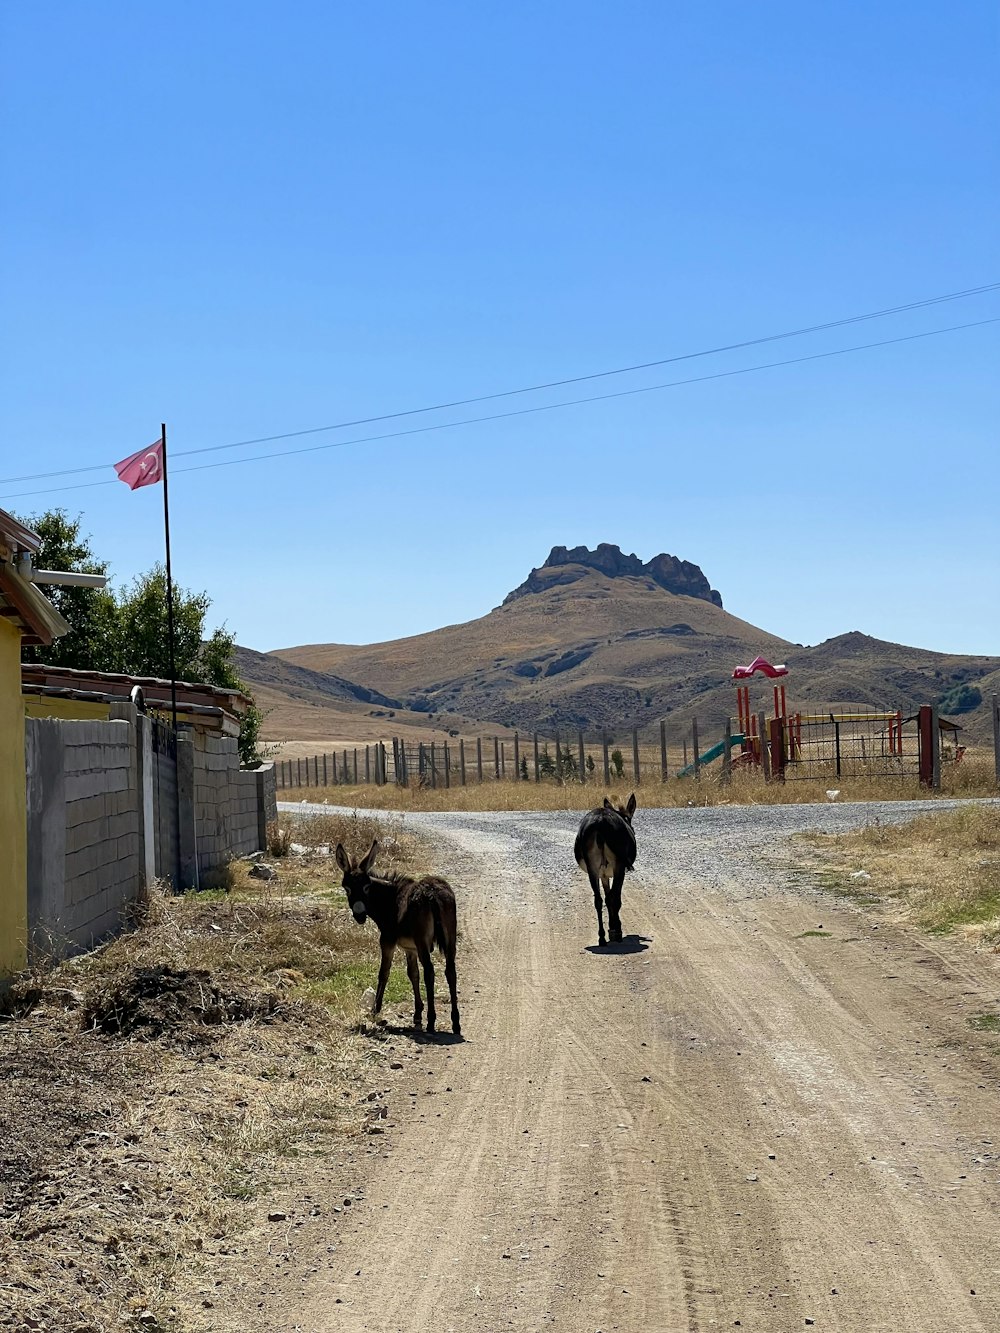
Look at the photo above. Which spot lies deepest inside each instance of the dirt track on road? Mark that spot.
(724, 1121)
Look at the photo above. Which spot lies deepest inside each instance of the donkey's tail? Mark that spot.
(440, 938)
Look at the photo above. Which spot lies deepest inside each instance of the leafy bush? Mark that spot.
(961, 699)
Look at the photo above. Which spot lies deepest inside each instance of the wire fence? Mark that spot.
(862, 743)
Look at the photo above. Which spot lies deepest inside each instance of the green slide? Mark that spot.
(711, 754)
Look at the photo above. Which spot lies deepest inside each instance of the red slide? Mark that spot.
(759, 664)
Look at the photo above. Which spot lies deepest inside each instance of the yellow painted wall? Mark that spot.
(78, 710)
(13, 811)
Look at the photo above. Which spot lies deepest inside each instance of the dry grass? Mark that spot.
(151, 1090)
(941, 871)
(973, 777)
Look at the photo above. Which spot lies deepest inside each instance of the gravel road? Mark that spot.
(724, 1121)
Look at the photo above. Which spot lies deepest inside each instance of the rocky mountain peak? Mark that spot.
(566, 565)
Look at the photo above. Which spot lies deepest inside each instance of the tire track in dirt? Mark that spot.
(814, 1141)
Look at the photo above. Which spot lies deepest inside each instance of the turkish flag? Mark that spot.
(143, 468)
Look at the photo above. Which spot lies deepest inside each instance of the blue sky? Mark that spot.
(250, 219)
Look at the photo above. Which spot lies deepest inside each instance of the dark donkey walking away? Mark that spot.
(605, 848)
(416, 914)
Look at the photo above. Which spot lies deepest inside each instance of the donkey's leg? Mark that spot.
(595, 885)
(425, 961)
(614, 900)
(383, 975)
(449, 971)
(413, 972)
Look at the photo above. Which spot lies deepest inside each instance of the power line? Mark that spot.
(542, 407)
(538, 388)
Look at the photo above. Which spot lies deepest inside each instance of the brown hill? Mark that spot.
(595, 639)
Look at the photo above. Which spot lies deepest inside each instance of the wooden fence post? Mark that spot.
(298, 772)
(558, 760)
(326, 780)
(355, 766)
(581, 757)
(395, 759)
(421, 763)
(777, 727)
(496, 758)
(434, 776)
(368, 771)
(347, 771)
(635, 756)
(447, 766)
(517, 759)
(503, 760)
(765, 757)
(663, 751)
(479, 757)
(461, 760)
(695, 752)
(538, 775)
(607, 765)
(333, 769)
(727, 754)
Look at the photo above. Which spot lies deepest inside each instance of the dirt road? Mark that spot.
(726, 1121)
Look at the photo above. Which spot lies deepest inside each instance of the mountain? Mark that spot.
(599, 638)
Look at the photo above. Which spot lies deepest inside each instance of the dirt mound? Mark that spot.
(176, 1003)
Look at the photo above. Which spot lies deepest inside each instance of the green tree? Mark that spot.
(566, 765)
(618, 762)
(546, 764)
(590, 763)
(90, 611)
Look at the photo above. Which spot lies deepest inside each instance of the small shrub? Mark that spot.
(279, 839)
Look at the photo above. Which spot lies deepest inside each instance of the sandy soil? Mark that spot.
(723, 1122)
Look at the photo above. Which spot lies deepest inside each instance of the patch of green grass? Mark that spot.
(984, 1022)
(973, 911)
(814, 934)
(343, 988)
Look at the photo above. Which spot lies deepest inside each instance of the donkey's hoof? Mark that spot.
(616, 936)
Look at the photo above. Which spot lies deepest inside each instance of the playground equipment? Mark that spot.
(854, 742)
(749, 722)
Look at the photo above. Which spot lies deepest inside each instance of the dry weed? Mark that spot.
(940, 870)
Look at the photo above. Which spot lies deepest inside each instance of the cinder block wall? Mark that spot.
(226, 806)
(84, 856)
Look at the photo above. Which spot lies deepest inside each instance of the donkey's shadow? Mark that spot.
(380, 1030)
(630, 944)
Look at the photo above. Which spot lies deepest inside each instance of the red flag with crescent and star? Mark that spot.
(143, 468)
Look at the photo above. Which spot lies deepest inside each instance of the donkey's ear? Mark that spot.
(607, 804)
(369, 857)
(343, 860)
(630, 807)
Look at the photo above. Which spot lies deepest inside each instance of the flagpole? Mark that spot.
(171, 655)
(170, 585)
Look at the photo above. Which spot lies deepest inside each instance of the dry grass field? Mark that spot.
(941, 871)
(153, 1091)
(973, 777)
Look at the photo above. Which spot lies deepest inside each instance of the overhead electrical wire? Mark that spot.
(538, 388)
(528, 411)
